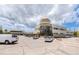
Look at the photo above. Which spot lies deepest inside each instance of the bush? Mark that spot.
(76, 33)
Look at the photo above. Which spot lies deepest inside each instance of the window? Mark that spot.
(62, 29)
(55, 28)
(55, 33)
(13, 35)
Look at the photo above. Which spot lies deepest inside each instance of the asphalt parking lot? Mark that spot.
(29, 46)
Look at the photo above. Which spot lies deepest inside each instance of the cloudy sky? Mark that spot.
(26, 16)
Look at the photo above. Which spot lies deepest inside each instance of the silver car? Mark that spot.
(48, 38)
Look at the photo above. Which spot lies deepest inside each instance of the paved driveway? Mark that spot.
(29, 46)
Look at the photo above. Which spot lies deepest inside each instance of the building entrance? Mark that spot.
(46, 30)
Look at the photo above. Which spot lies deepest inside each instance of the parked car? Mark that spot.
(36, 37)
(8, 38)
(48, 38)
(69, 35)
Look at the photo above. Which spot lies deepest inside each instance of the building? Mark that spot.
(60, 31)
(46, 28)
(17, 32)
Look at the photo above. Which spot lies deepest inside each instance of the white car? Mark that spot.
(8, 38)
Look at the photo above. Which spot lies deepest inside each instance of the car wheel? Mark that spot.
(6, 42)
(13, 42)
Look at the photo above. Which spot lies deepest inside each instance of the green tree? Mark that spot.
(1, 30)
(75, 33)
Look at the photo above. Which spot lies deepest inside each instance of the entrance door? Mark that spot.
(46, 30)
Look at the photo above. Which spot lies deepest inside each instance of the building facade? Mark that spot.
(46, 28)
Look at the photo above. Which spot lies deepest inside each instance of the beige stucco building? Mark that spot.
(57, 31)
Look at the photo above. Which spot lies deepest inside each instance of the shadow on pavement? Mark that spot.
(8, 44)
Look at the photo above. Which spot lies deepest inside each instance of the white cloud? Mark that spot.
(27, 16)
(61, 13)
